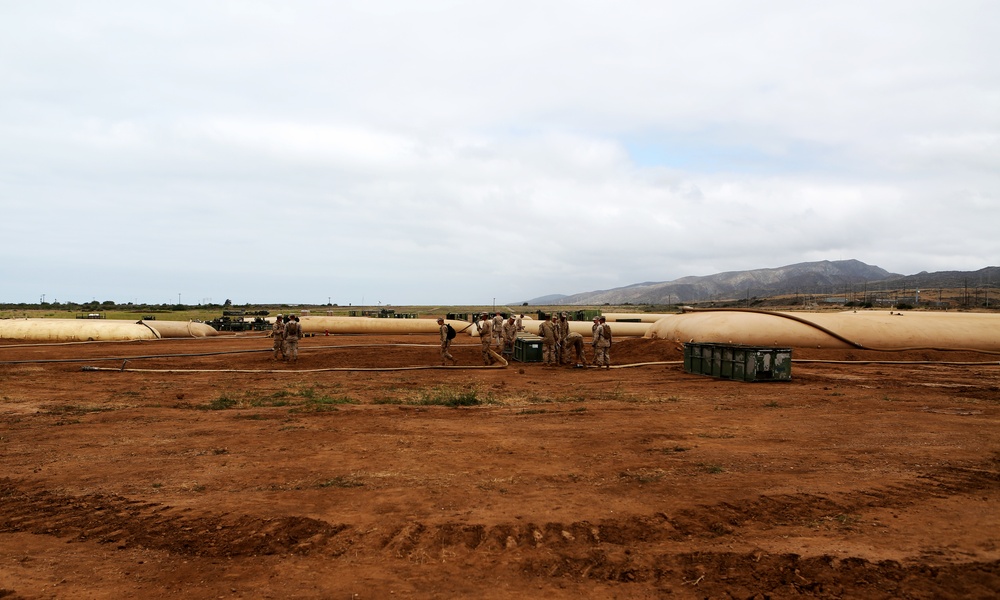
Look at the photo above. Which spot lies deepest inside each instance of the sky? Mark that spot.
(471, 153)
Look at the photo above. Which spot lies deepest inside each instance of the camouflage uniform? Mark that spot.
(497, 328)
(292, 332)
(574, 340)
(602, 344)
(485, 338)
(508, 334)
(562, 350)
(549, 333)
(445, 343)
(278, 333)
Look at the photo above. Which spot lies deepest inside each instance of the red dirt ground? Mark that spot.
(326, 480)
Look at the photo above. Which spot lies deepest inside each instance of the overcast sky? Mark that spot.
(440, 152)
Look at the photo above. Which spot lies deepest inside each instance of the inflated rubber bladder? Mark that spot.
(74, 330)
(863, 329)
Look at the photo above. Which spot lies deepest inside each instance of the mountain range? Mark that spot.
(821, 277)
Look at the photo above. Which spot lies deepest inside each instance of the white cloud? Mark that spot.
(446, 152)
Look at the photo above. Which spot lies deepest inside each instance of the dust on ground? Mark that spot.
(203, 469)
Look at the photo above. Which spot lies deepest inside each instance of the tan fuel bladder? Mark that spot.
(868, 329)
(361, 325)
(176, 329)
(74, 330)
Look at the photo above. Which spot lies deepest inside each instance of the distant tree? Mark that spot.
(227, 303)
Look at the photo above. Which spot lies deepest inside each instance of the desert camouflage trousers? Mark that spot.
(601, 356)
(549, 355)
(292, 348)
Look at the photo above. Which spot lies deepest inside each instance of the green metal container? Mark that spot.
(742, 363)
(528, 348)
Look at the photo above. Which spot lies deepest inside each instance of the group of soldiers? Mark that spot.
(557, 340)
(498, 332)
(286, 332)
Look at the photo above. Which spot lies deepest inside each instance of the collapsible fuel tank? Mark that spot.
(73, 330)
(864, 329)
(82, 330)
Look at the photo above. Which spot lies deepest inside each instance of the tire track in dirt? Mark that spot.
(619, 550)
(798, 509)
(760, 575)
(110, 519)
(117, 520)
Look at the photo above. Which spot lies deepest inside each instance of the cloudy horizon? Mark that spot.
(453, 153)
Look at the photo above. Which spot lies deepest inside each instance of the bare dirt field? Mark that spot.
(332, 479)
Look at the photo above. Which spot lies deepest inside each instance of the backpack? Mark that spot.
(607, 332)
(451, 331)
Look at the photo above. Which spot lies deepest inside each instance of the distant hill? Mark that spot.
(822, 277)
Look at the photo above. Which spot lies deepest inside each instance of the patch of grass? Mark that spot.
(220, 403)
(713, 469)
(309, 399)
(279, 398)
(387, 400)
(450, 397)
(532, 411)
(772, 404)
(578, 409)
(674, 450)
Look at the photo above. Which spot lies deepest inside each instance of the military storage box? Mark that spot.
(742, 363)
(528, 348)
